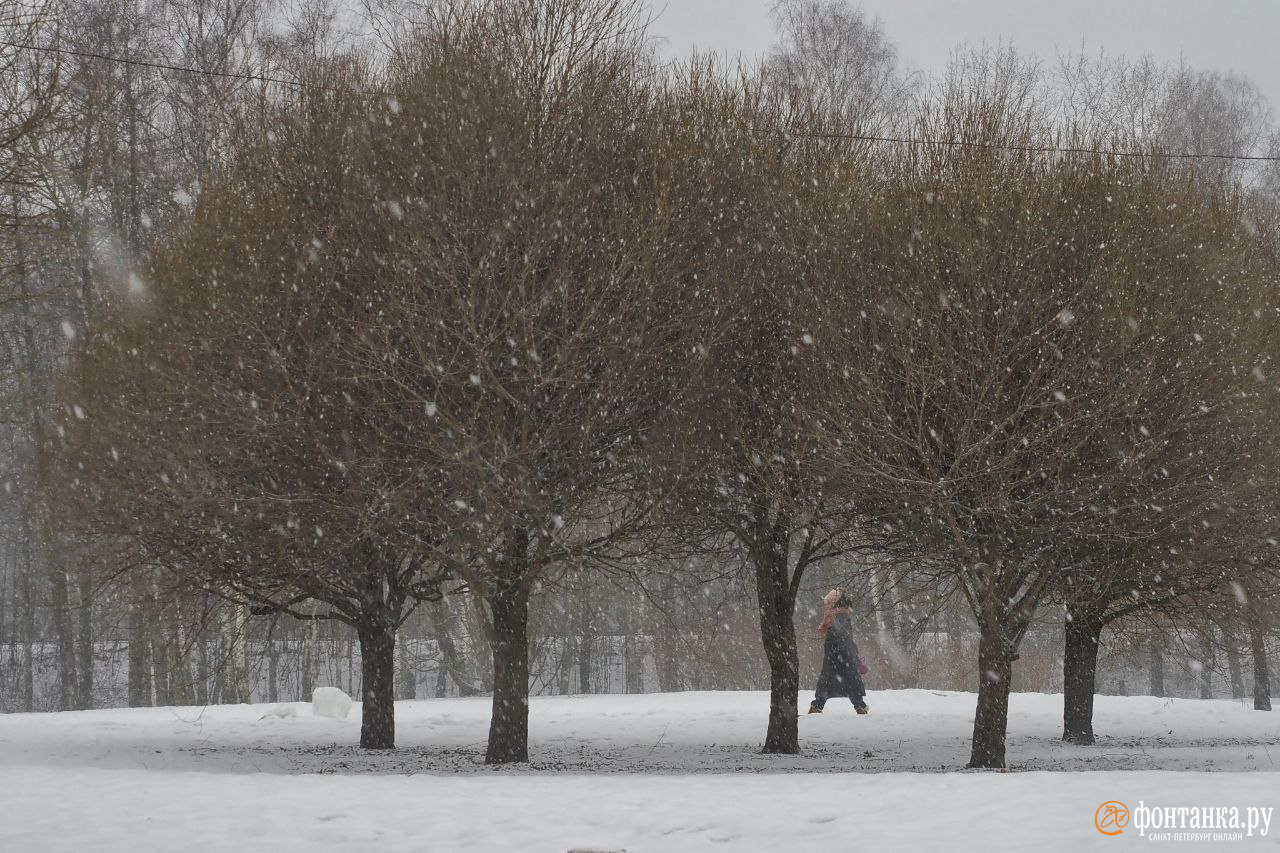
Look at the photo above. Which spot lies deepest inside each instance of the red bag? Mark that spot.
(863, 669)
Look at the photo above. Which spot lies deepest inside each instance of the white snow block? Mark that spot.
(281, 711)
(330, 702)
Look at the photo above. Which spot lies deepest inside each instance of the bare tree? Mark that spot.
(273, 507)
(542, 302)
(462, 391)
(30, 88)
(773, 181)
(831, 58)
(218, 39)
(1145, 105)
(31, 100)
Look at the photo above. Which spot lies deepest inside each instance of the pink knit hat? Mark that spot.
(829, 616)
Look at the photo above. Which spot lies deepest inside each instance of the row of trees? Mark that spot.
(622, 644)
(98, 157)
(520, 304)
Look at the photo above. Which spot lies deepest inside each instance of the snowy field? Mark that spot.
(656, 772)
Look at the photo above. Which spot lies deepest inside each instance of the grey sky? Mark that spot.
(1238, 35)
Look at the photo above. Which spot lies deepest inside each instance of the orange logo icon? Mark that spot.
(1111, 817)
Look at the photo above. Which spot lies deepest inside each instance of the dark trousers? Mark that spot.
(821, 696)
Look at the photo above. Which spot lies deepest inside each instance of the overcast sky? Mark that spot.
(1228, 35)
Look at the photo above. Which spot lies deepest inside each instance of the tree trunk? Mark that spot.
(139, 647)
(452, 663)
(509, 723)
(783, 734)
(202, 663)
(1079, 677)
(1208, 642)
(1261, 672)
(84, 640)
(778, 632)
(991, 718)
(955, 643)
(472, 622)
(27, 680)
(509, 608)
(218, 695)
(8, 601)
(1234, 668)
(310, 658)
(239, 654)
(273, 668)
(351, 667)
(586, 648)
(180, 679)
(1156, 662)
(407, 678)
(564, 665)
(633, 651)
(586, 644)
(64, 639)
(377, 686)
(891, 657)
(666, 638)
(666, 659)
(162, 666)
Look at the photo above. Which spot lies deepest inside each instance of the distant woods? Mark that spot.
(497, 341)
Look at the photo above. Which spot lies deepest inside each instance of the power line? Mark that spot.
(160, 66)
(1045, 149)
(856, 137)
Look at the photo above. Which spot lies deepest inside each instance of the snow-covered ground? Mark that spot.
(644, 772)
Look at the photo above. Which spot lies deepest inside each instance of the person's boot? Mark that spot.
(814, 709)
(863, 709)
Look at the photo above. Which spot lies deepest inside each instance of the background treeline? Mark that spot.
(484, 352)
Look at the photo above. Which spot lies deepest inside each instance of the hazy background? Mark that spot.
(1228, 35)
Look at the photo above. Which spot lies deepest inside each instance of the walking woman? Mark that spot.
(842, 669)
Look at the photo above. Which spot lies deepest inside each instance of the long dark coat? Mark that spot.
(840, 676)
